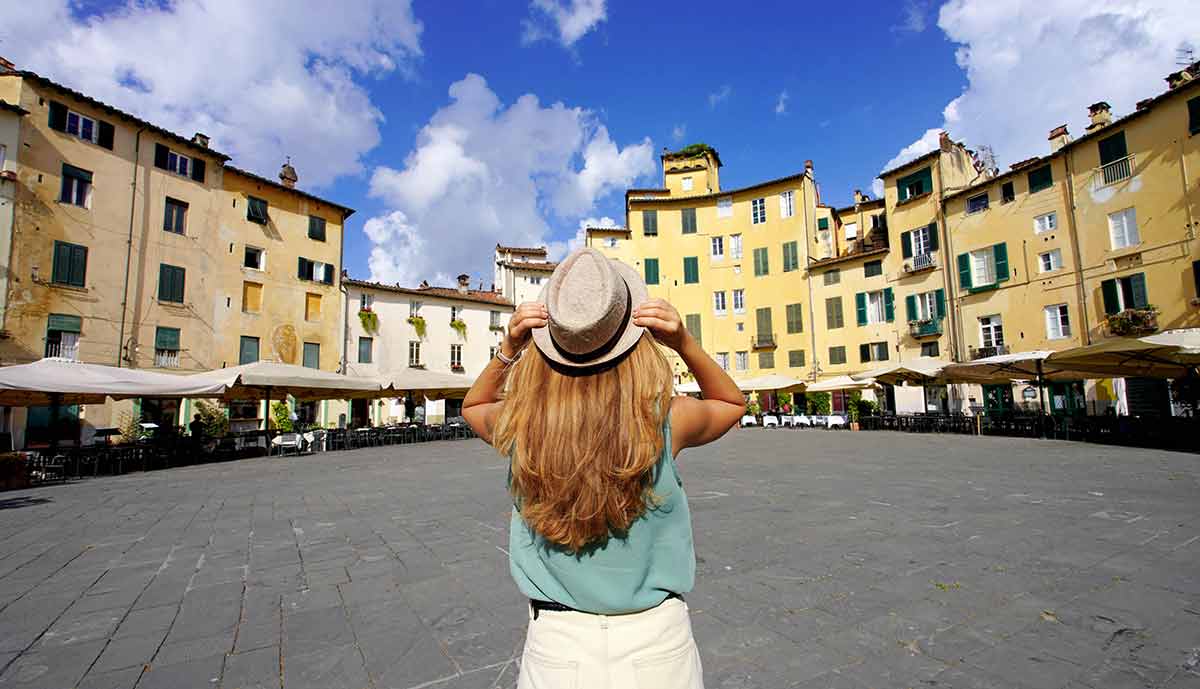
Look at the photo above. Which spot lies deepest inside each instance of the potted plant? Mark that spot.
(460, 326)
(418, 324)
(1133, 322)
(369, 319)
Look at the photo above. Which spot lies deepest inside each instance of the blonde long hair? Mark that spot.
(583, 446)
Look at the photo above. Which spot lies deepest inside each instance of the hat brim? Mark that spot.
(637, 295)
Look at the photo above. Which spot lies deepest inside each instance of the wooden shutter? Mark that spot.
(1137, 289)
(251, 297)
(312, 306)
(364, 350)
(933, 236)
(649, 223)
(328, 279)
(1040, 179)
(316, 228)
(79, 256)
(940, 298)
(1000, 253)
(58, 116)
(160, 156)
(906, 244)
(312, 355)
(166, 338)
(105, 136)
(691, 270)
(964, 271)
(77, 172)
(1112, 302)
(64, 323)
(860, 307)
(170, 283)
(304, 269)
(910, 307)
(688, 218)
(1194, 115)
(1112, 148)
(833, 307)
(762, 317)
(248, 351)
(864, 352)
(650, 266)
(198, 170)
(889, 305)
(795, 320)
(61, 269)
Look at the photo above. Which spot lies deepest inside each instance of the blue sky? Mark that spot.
(453, 125)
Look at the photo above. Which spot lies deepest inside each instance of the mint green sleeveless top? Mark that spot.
(627, 574)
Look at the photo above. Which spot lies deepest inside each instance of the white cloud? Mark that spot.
(679, 132)
(913, 20)
(1033, 65)
(927, 143)
(781, 103)
(570, 21)
(484, 172)
(264, 79)
(720, 95)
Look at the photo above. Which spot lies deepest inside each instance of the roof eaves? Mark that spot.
(920, 159)
(11, 107)
(722, 193)
(346, 212)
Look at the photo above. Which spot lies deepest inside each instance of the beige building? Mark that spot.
(10, 141)
(521, 272)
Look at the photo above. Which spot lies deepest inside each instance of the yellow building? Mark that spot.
(128, 250)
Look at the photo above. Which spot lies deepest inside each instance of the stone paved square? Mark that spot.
(825, 559)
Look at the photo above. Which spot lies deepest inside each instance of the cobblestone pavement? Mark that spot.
(826, 559)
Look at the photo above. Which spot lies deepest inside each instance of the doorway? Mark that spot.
(997, 399)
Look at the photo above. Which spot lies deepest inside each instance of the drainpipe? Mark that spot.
(952, 312)
(1085, 332)
(137, 147)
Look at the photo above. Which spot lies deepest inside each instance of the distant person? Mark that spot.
(196, 428)
(600, 538)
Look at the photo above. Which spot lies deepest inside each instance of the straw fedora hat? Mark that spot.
(590, 299)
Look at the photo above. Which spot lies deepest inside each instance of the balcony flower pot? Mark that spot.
(418, 324)
(459, 326)
(369, 320)
(457, 369)
(1133, 322)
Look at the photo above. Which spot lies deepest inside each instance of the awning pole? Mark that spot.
(1041, 381)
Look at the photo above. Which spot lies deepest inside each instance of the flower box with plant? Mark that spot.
(369, 319)
(460, 326)
(457, 368)
(1132, 322)
(418, 324)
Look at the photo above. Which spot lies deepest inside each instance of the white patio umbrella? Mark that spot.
(1002, 368)
(1170, 354)
(433, 385)
(63, 381)
(772, 383)
(840, 383)
(270, 380)
(920, 370)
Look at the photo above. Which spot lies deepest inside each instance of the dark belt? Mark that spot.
(548, 605)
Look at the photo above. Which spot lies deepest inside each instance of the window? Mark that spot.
(414, 308)
(76, 186)
(1045, 222)
(456, 357)
(795, 318)
(735, 246)
(919, 242)
(926, 306)
(1194, 115)
(312, 355)
(977, 204)
(833, 313)
(691, 270)
(718, 248)
(312, 306)
(82, 126)
(69, 264)
(62, 336)
(314, 271)
(366, 301)
(686, 183)
(742, 361)
(692, 322)
(414, 353)
(1122, 229)
(251, 297)
(837, 355)
(177, 163)
(316, 228)
(1040, 179)
(170, 283)
(494, 320)
(365, 346)
(535, 280)
(983, 268)
(650, 268)
(1112, 149)
(687, 217)
(764, 329)
(725, 207)
(76, 124)
(930, 349)
(174, 215)
(872, 268)
(796, 358)
(832, 276)
(1007, 195)
(455, 313)
(254, 258)
(761, 263)
(1124, 293)
(787, 204)
(822, 223)
(875, 307)
(248, 350)
(1050, 261)
(610, 242)
(650, 223)
(740, 327)
(914, 185)
(758, 211)
(723, 360)
(991, 331)
(766, 359)
(1058, 325)
(719, 303)
(851, 230)
(873, 351)
(739, 301)
(256, 210)
(166, 347)
(791, 257)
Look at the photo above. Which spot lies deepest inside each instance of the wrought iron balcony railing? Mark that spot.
(925, 327)
(1113, 172)
(921, 262)
(166, 358)
(63, 350)
(762, 341)
(985, 352)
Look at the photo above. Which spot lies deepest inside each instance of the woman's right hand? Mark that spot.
(663, 321)
(528, 316)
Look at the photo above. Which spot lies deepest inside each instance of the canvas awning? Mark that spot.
(74, 382)
(267, 378)
(1002, 368)
(840, 383)
(769, 383)
(433, 385)
(1171, 354)
(920, 371)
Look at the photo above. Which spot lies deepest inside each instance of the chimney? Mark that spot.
(1144, 103)
(1058, 137)
(287, 174)
(200, 139)
(859, 197)
(6, 65)
(464, 283)
(1177, 79)
(1101, 115)
(944, 142)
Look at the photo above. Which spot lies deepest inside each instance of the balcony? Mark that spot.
(63, 350)
(874, 243)
(926, 327)
(1133, 322)
(985, 352)
(166, 358)
(1116, 171)
(763, 341)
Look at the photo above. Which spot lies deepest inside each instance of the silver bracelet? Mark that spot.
(506, 360)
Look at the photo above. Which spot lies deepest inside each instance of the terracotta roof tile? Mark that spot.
(538, 250)
(475, 295)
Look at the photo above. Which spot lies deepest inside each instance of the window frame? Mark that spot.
(166, 291)
(762, 262)
(304, 355)
(249, 339)
(758, 211)
(832, 323)
(1041, 186)
(974, 207)
(80, 120)
(370, 349)
(791, 256)
(792, 358)
(255, 204)
(878, 267)
(837, 355)
(990, 263)
(179, 216)
(76, 187)
(735, 246)
(414, 347)
(315, 222)
(787, 203)
(649, 229)
(691, 270)
(70, 267)
(1060, 313)
(719, 303)
(262, 257)
(739, 300)
(831, 277)
(687, 221)
(716, 247)
(687, 183)
(741, 361)
(1051, 222)
(994, 328)
(456, 350)
(1128, 217)
(1056, 264)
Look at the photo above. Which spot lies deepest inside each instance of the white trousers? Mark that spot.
(653, 649)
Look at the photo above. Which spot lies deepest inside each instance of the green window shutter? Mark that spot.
(61, 261)
(1194, 115)
(64, 323)
(248, 351)
(105, 136)
(691, 270)
(316, 228)
(650, 266)
(761, 262)
(766, 359)
(58, 116)
(941, 303)
(910, 307)
(964, 271)
(864, 352)
(1000, 253)
(1112, 148)
(312, 355)
(796, 358)
(170, 283)
(78, 276)
(1137, 286)
(795, 319)
(650, 223)
(1040, 179)
(860, 307)
(906, 244)
(688, 218)
(762, 318)
(160, 156)
(933, 236)
(166, 338)
(1112, 303)
(692, 323)
(889, 305)
(256, 210)
(822, 223)
(923, 178)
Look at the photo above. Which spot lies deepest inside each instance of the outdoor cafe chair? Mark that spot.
(785, 420)
(835, 421)
(335, 439)
(770, 421)
(749, 420)
(286, 441)
(800, 421)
